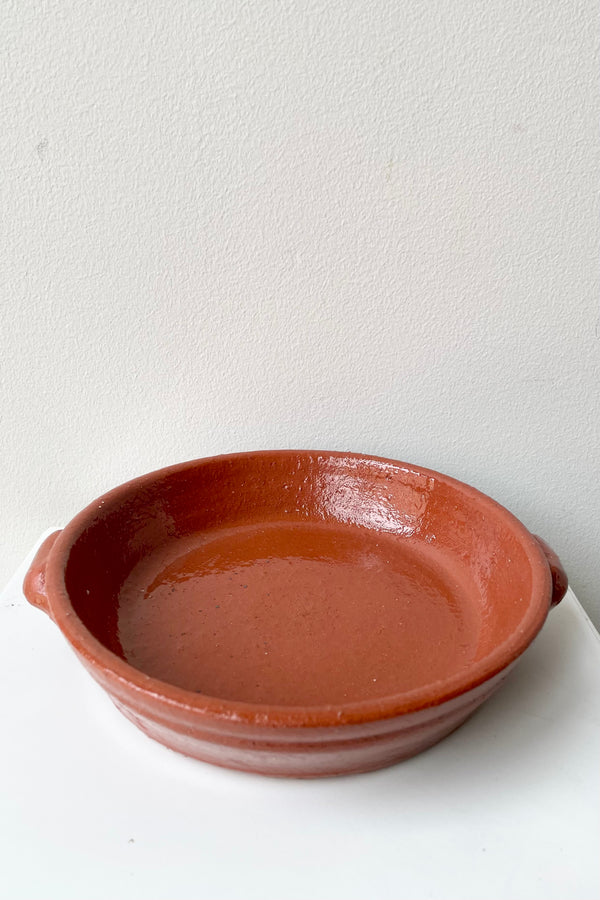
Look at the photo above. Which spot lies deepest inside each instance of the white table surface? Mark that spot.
(507, 807)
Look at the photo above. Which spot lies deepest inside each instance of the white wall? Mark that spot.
(340, 225)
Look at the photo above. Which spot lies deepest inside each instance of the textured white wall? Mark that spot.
(341, 225)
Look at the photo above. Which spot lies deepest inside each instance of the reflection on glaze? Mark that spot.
(293, 614)
(369, 493)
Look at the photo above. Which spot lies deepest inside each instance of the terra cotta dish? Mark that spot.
(294, 612)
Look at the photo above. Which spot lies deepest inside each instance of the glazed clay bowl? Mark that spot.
(293, 612)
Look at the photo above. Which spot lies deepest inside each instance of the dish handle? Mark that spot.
(560, 582)
(34, 585)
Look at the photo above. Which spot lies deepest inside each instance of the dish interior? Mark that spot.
(296, 614)
(301, 579)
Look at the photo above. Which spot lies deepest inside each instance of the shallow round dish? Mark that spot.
(294, 612)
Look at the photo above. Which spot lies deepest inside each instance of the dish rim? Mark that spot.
(100, 659)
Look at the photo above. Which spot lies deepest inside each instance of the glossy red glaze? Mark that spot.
(293, 612)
